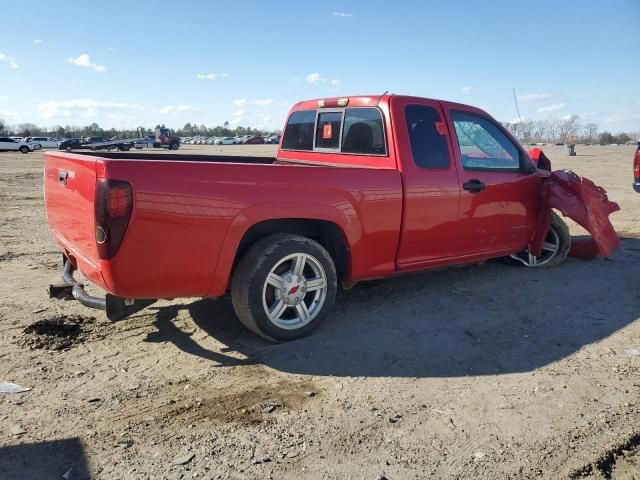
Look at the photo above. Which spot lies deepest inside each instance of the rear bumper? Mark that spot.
(636, 186)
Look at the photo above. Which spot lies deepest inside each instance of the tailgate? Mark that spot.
(69, 189)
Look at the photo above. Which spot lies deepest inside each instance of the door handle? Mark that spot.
(62, 176)
(474, 186)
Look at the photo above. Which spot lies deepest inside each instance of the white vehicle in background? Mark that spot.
(8, 144)
(44, 142)
(227, 141)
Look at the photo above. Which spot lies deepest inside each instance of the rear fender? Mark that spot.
(344, 215)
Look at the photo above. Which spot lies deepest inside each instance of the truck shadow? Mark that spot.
(37, 461)
(473, 320)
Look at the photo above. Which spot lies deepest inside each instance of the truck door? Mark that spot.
(500, 195)
(430, 181)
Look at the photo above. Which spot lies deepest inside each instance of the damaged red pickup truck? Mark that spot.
(361, 187)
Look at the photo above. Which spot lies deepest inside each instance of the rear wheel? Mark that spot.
(283, 287)
(174, 146)
(24, 149)
(555, 247)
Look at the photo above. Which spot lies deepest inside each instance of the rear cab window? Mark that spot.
(355, 131)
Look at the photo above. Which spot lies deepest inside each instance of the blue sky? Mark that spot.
(125, 64)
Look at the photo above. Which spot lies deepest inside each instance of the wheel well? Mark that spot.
(327, 234)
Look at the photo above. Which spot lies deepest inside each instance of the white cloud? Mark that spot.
(336, 82)
(264, 102)
(111, 49)
(211, 76)
(172, 109)
(6, 115)
(622, 117)
(467, 90)
(533, 97)
(342, 14)
(571, 116)
(10, 60)
(83, 108)
(241, 102)
(551, 108)
(84, 61)
(37, 41)
(313, 78)
(4, 97)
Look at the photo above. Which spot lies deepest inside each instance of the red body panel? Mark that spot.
(189, 217)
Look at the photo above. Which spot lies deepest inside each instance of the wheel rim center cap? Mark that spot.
(294, 290)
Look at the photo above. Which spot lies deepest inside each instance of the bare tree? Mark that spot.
(568, 129)
(551, 128)
(540, 131)
(591, 132)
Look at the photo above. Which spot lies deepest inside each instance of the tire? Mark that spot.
(174, 146)
(25, 149)
(68, 149)
(301, 310)
(558, 236)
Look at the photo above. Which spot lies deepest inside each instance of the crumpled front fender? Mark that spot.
(584, 202)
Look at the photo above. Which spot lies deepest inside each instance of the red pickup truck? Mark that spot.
(361, 188)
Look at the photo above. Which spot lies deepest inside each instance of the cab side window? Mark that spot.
(483, 146)
(428, 148)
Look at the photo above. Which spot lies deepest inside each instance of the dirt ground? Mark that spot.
(484, 371)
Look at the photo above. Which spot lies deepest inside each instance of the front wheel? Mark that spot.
(174, 146)
(283, 287)
(24, 149)
(555, 247)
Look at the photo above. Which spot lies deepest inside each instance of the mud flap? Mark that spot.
(584, 202)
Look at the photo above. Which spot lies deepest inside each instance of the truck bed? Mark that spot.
(190, 213)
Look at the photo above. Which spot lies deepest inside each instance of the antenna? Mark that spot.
(385, 92)
(515, 99)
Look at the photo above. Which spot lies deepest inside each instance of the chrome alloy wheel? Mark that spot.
(550, 248)
(294, 291)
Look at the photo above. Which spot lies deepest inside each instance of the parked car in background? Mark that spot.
(44, 142)
(8, 144)
(254, 139)
(274, 139)
(636, 169)
(227, 141)
(70, 144)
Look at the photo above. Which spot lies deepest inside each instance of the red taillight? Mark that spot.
(113, 205)
(636, 165)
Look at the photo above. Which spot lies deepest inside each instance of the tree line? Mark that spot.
(74, 131)
(567, 130)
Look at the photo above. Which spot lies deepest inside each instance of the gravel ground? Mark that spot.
(484, 371)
